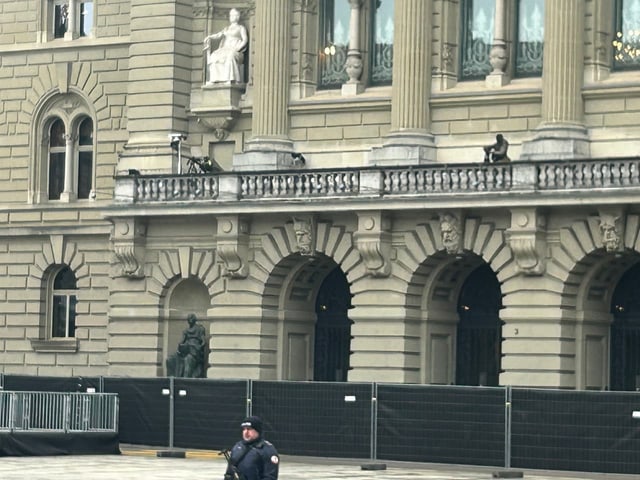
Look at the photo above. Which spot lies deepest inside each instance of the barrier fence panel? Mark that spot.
(443, 424)
(316, 418)
(575, 430)
(27, 383)
(208, 413)
(144, 409)
(58, 412)
(507, 427)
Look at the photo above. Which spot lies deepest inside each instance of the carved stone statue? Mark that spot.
(188, 361)
(450, 231)
(225, 64)
(610, 234)
(304, 236)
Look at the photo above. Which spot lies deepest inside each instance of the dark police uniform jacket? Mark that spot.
(260, 462)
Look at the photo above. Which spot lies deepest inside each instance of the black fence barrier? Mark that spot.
(315, 418)
(208, 413)
(30, 383)
(144, 409)
(441, 424)
(501, 426)
(575, 430)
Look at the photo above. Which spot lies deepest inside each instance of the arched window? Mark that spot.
(62, 313)
(56, 159)
(70, 159)
(85, 158)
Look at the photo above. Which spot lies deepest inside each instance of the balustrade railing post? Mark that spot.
(524, 176)
(371, 184)
(126, 189)
(229, 187)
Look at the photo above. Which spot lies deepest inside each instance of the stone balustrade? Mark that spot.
(388, 182)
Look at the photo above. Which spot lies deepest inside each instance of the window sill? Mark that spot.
(55, 345)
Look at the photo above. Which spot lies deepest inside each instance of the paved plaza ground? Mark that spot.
(145, 464)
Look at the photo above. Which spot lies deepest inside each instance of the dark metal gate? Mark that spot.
(333, 329)
(625, 333)
(479, 339)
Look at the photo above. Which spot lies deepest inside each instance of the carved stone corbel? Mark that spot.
(128, 240)
(373, 241)
(527, 239)
(611, 222)
(233, 246)
(304, 229)
(452, 231)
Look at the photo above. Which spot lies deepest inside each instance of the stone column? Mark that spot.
(353, 65)
(270, 146)
(562, 133)
(68, 192)
(410, 140)
(158, 93)
(499, 55)
(72, 27)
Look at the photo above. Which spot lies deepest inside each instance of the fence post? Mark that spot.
(507, 427)
(171, 411)
(249, 406)
(374, 421)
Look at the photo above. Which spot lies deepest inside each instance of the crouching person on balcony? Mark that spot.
(498, 151)
(253, 457)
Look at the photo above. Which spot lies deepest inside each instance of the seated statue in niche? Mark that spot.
(225, 64)
(188, 361)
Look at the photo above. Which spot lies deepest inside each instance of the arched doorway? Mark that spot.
(478, 344)
(332, 345)
(625, 333)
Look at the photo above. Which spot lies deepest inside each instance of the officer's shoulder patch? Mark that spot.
(275, 459)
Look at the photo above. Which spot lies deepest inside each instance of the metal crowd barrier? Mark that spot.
(58, 412)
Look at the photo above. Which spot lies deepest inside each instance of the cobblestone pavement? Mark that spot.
(201, 465)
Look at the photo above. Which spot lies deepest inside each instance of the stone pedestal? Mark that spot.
(553, 141)
(408, 148)
(217, 106)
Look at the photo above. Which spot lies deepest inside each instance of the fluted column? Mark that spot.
(562, 133)
(270, 146)
(410, 140)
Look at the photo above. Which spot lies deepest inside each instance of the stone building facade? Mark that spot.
(348, 229)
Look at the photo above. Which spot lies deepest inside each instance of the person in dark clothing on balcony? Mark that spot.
(253, 457)
(498, 151)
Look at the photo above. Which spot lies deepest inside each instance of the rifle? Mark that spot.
(235, 473)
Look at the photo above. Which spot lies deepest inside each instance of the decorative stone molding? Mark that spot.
(304, 228)
(527, 239)
(611, 223)
(451, 232)
(128, 240)
(373, 241)
(233, 246)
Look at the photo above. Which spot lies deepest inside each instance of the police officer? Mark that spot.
(252, 458)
